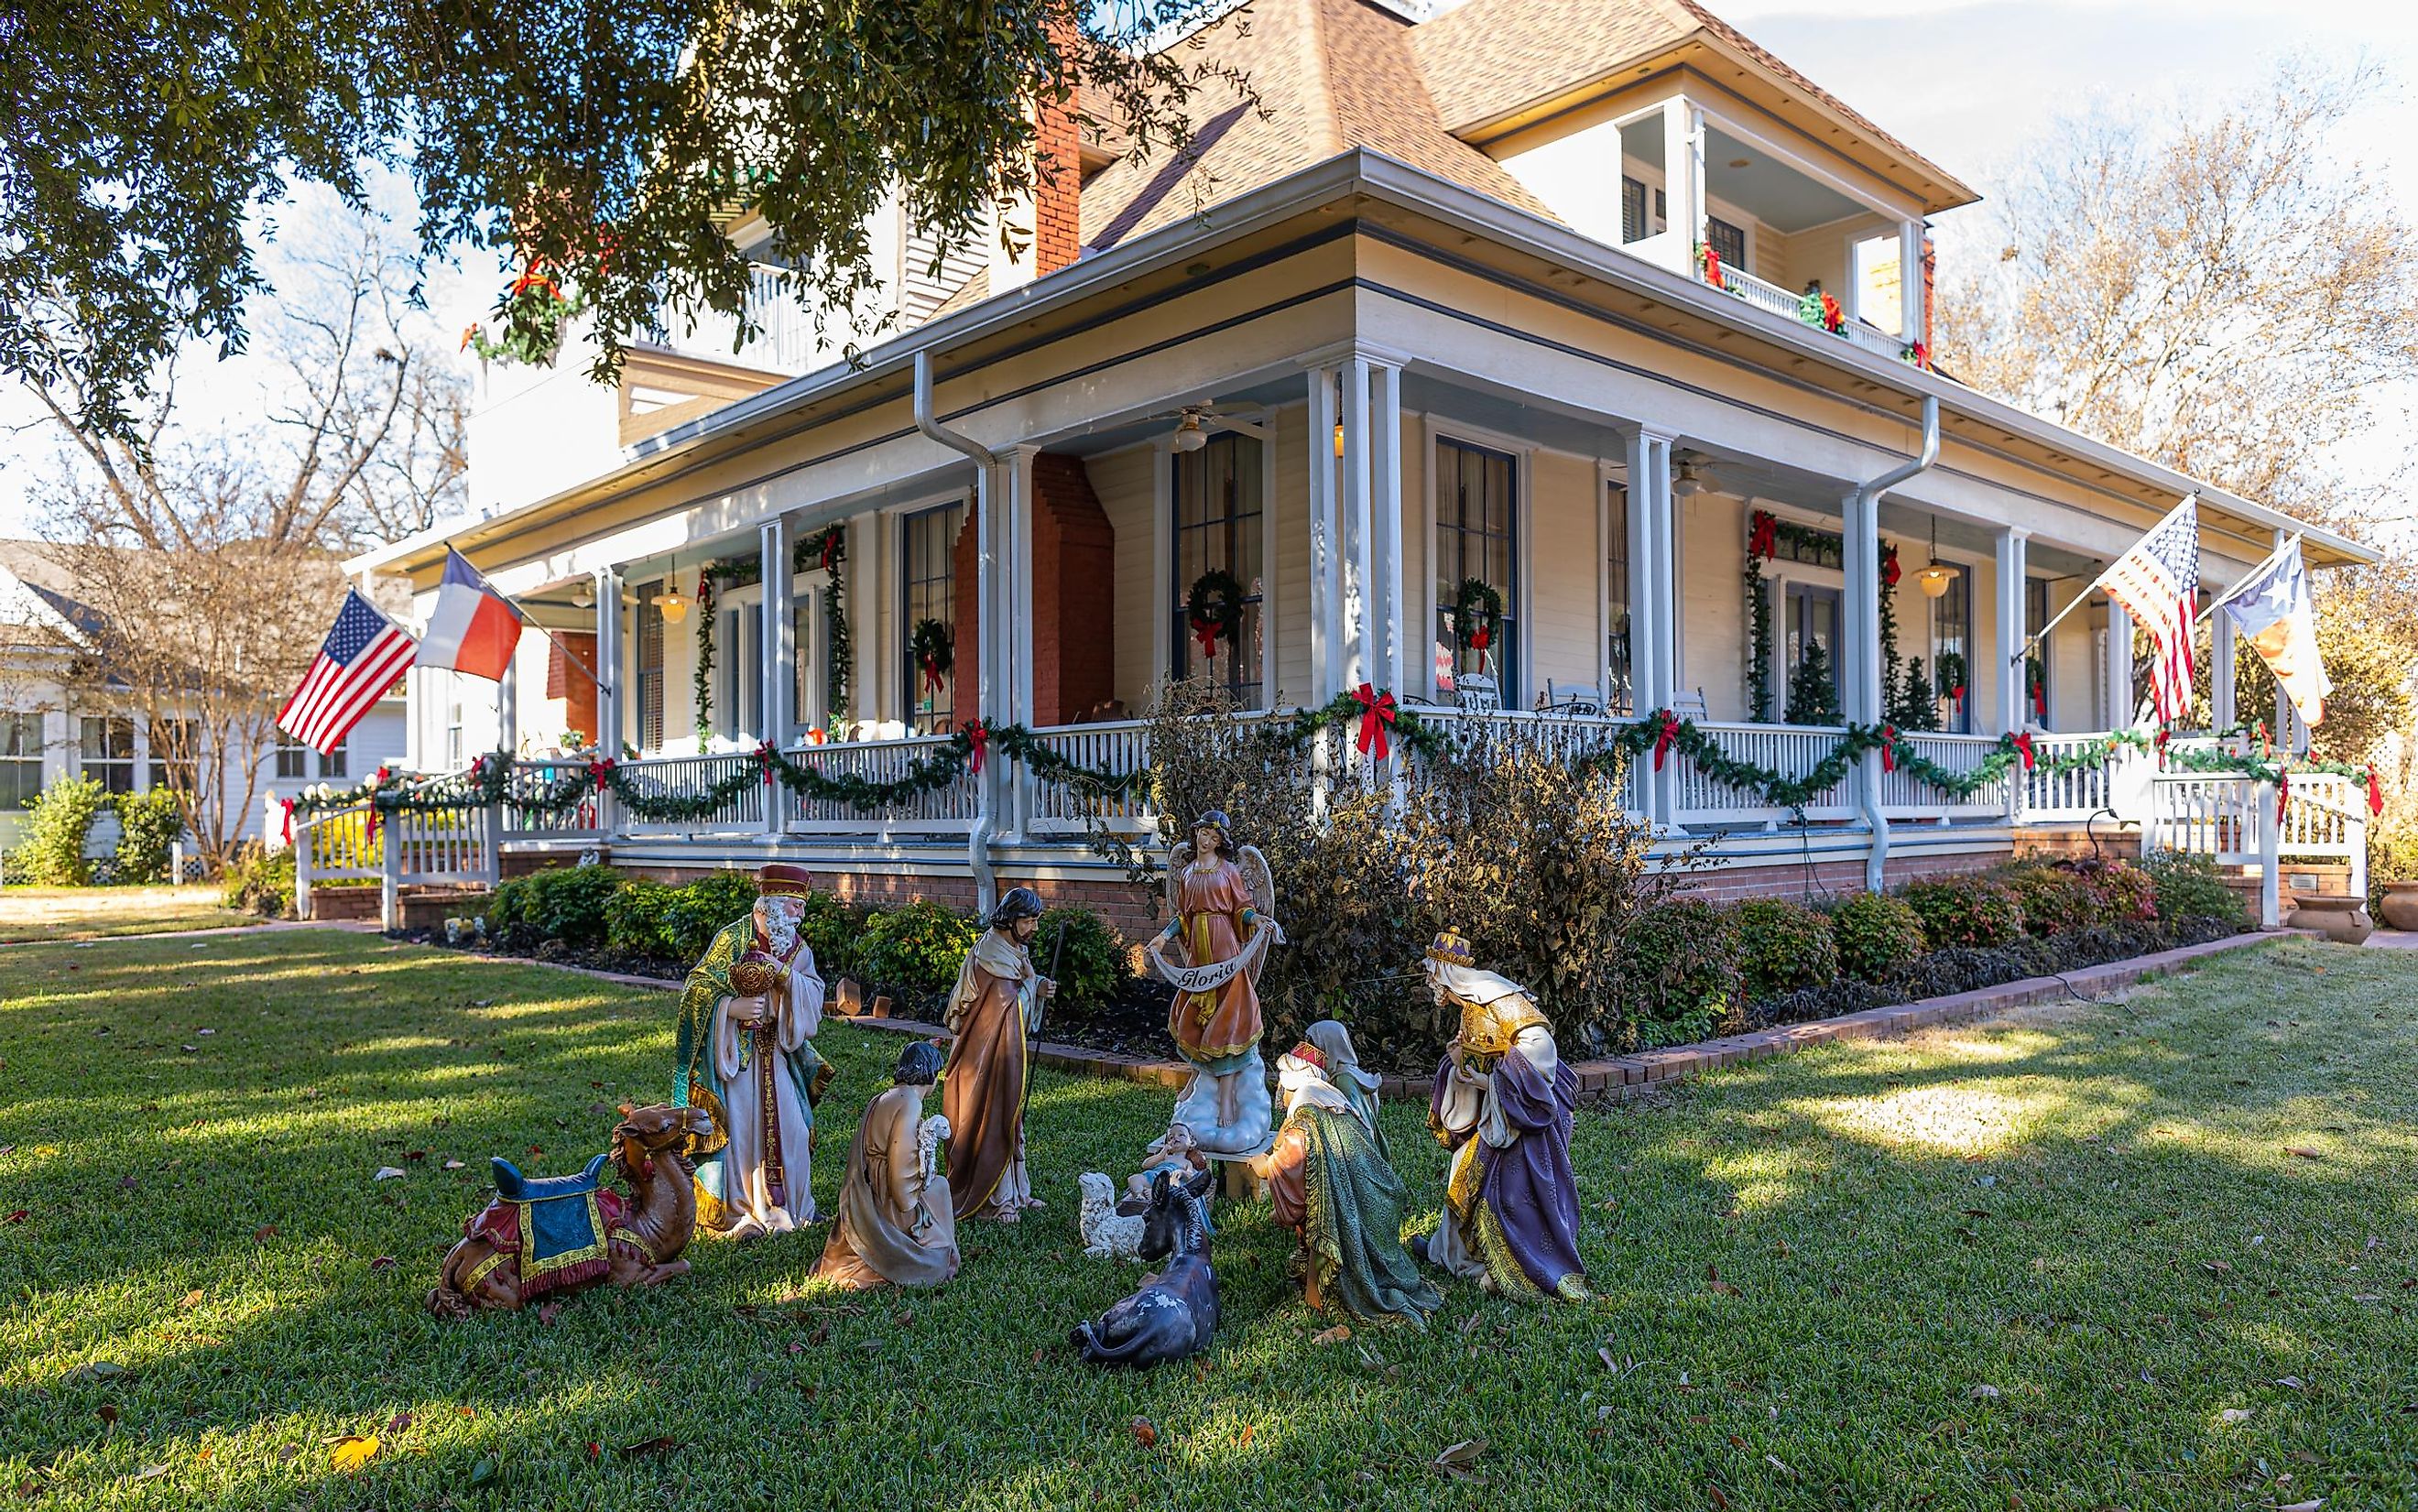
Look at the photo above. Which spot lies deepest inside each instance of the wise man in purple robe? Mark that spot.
(1502, 1103)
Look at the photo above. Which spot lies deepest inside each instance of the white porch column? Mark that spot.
(2221, 697)
(1653, 633)
(780, 669)
(2120, 666)
(1859, 632)
(868, 577)
(1910, 282)
(1325, 547)
(508, 708)
(1683, 171)
(2008, 690)
(1394, 662)
(1357, 604)
(609, 702)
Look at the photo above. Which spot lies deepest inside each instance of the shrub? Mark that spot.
(2190, 889)
(56, 822)
(634, 919)
(148, 824)
(1678, 978)
(2127, 894)
(261, 882)
(916, 947)
(1877, 936)
(1093, 967)
(695, 912)
(2054, 899)
(1965, 910)
(1783, 946)
(564, 903)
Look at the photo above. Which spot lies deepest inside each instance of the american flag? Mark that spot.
(361, 659)
(2158, 582)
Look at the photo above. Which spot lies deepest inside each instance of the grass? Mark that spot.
(2037, 1264)
(105, 912)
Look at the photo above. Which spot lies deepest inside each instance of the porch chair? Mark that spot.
(1477, 693)
(1690, 704)
(1578, 698)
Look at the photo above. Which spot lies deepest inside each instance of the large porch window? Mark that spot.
(1952, 654)
(1219, 513)
(650, 675)
(1477, 510)
(2036, 613)
(1813, 630)
(739, 715)
(929, 596)
(1618, 674)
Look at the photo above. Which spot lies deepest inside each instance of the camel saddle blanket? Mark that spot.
(558, 1227)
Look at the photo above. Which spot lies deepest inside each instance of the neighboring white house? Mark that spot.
(53, 725)
(1530, 295)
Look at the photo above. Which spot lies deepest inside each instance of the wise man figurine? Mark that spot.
(1220, 902)
(897, 1225)
(745, 1055)
(1328, 1182)
(992, 1013)
(1503, 1103)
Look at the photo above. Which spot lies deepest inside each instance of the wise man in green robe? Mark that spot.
(746, 1054)
(1328, 1182)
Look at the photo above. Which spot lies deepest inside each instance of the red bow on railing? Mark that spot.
(2163, 736)
(2375, 794)
(384, 772)
(2023, 744)
(1765, 538)
(2266, 747)
(1891, 571)
(977, 742)
(1205, 631)
(1889, 748)
(764, 760)
(1667, 729)
(288, 804)
(599, 770)
(1376, 718)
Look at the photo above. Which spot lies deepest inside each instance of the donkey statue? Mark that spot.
(1175, 1314)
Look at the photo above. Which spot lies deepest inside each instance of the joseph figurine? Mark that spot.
(992, 1013)
(745, 1055)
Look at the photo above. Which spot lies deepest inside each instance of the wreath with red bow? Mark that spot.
(1476, 612)
(935, 650)
(1214, 608)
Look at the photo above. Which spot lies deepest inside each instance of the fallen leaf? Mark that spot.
(106, 1412)
(2234, 1414)
(1603, 1353)
(98, 1370)
(2310, 1506)
(384, 1262)
(1989, 1394)
(1144, 1432)
(1460, 1454)
(192, 1299)
(546, 1311)
(452, 1165)
(18, 1217)
(1773, 1460)
(386, 1173)
(487, 1472)
(351, 1451)
(595, 1449)
(2293, 1382)
(125, 1183)
(1332, 1335)
(1245, 1441)
(151, 1472)
(661, 1443)
(2216, 1267)
(2303, 1151)
(1713, 1494)
(399, 1422)
(263, 1234)
(285, 1453)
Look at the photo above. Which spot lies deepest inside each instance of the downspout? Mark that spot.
(978, 838)
(1867, 499)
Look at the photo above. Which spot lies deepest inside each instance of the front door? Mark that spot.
(1812, 621)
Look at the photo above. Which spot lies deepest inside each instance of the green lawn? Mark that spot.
(2036, 1265)
(102, 913)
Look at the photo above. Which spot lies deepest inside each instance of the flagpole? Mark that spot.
(2084, 597)
(2227, 597)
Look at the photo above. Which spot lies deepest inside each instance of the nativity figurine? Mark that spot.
(1329, 1184)
(897, 1224)
(1221, 899)
(993, 1012)
(1503, 1103)
(1176, 1152)
(1174, 1312)
(744, 1054)
(1359, 1087)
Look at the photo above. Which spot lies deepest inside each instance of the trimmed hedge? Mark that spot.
(1784, 946)
(1681, 978)
(914, 948)
(1965, 911)
(1878, 936)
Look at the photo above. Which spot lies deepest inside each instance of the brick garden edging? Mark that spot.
(1625, 1074)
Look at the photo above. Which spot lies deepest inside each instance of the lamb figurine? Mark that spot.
(1106, 1235)
(930, 1135)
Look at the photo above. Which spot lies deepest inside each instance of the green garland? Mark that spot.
(704, 680)
(827, 548)
(2267, 769)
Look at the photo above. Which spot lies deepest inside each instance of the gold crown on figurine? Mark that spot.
(1488, 1029)
(757, 974)
(1452, 949)
(782, 880)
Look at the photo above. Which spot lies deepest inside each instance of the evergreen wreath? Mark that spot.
(1214, 609)
(1476, 612)
(934, 646)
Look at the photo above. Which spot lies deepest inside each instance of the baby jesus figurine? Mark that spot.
(1175, 1152)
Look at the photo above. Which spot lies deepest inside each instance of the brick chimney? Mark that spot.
(1052, 218)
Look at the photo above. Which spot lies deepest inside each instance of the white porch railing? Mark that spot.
(520, 819)
(1790, 750)
(951, 809)
(1063, 808)
(333, 846)
(2074, 796)
(678, 776)
(1779, 301)
(1904, 796)
(2234, 820)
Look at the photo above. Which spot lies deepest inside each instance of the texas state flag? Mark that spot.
(473, 627)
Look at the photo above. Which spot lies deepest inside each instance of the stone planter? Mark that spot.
(2344, 920)
(2400, 908)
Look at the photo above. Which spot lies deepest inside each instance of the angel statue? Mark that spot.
(1220, 902)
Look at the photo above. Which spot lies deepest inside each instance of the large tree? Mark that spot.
(605, 144)
(2227, 294)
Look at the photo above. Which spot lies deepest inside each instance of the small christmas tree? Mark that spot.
(1812, 696)
(1917, 705)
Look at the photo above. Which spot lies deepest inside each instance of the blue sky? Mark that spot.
(1969, 85)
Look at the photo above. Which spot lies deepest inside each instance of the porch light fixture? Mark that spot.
(583, 595)
(1338, 414)
(674, 605)
(1189, 437)
(1934, 579)
(1687, 480)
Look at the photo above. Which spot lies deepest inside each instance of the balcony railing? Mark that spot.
(786, 341)
(1779, 301)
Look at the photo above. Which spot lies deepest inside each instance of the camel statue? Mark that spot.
(555, 1236)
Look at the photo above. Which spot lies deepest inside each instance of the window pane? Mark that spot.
(1476, 537)
(1216, 506)
(1727, 242)
(931, 594)
(651, 672)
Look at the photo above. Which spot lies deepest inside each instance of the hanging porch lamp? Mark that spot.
(1935, 576)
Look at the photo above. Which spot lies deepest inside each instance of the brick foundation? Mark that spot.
(1733, 884)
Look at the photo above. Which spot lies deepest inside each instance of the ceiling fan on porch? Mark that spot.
(1196, 423)
(1692, 473)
